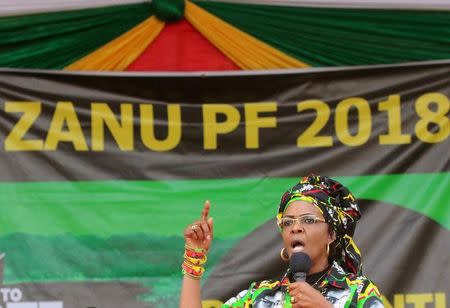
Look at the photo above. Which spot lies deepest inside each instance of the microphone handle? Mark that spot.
(299, 276)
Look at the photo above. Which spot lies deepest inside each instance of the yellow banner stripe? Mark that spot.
(243, 49)
(118, 54)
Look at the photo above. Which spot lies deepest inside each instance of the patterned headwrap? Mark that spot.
(340, 210)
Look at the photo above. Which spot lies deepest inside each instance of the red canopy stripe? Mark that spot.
(180, 47)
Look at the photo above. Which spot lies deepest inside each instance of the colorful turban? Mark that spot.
(340, 210)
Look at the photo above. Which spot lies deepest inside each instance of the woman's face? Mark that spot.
(312, 239)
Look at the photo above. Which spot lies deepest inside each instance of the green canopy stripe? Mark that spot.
(54, 40)
(333, 37)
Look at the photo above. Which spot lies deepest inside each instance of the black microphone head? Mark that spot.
(300, 262)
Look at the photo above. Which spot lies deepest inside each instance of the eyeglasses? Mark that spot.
(304, 220)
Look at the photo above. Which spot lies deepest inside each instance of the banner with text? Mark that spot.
(100, 174)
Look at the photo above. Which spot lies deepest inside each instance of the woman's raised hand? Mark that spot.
(199, 234)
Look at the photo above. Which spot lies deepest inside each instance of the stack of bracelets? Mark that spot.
(194, 258)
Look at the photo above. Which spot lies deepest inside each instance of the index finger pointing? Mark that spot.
(205, 211)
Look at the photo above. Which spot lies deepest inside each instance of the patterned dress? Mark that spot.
(338, 287)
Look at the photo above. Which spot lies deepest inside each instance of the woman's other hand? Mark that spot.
(305, 296)
(199, 234)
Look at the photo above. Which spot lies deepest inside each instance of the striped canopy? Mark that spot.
(178, 35)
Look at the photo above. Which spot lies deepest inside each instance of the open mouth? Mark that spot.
(297, 245)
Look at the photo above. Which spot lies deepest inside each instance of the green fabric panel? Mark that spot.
(76, 258)
(164, 208)
(132, 230)
(168, 10)
(153, 261)
(333, 37)
(55, 40)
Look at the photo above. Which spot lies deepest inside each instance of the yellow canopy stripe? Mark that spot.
(243, 49)
(118, 54)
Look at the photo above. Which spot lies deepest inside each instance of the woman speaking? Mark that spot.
(317, 219)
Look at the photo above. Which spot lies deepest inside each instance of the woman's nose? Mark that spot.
(297, 227)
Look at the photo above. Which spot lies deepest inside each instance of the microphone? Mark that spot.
(300, 264)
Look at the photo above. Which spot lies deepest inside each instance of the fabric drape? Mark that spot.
(24, 7)
(243, 49)
(180, 47)
(380, 4)
(333, 37)
(121, 52)
(55, 40)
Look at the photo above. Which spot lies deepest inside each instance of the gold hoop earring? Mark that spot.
(284, 255)
(328, 249)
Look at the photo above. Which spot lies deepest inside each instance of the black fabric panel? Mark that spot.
(277, 155)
